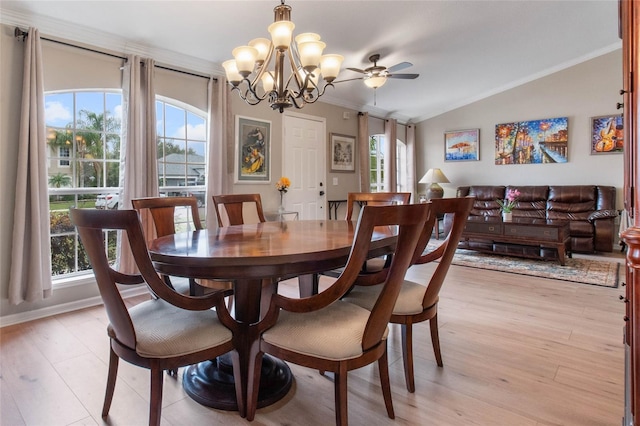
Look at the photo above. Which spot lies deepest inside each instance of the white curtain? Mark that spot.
(219, 132)
(411, 161)
(363, 151)
(390, 154)
(30, 275)
(138, 150)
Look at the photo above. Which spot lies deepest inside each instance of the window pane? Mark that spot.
(174, 121)
(58, 109)
(160, 118)
(114, 112)
(196, 127)
(90, 112)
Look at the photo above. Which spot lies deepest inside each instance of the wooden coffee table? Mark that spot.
(520, 231)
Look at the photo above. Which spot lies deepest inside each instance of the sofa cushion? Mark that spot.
(532, 201)
(485, 203)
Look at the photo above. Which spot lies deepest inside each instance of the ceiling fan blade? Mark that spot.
(400, 66)
(349, 79)
(357, 70)
(404, 76)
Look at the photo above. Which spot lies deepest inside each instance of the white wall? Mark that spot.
(586, 90)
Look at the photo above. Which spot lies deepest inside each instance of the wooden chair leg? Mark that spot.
(383, 367)
(435, 339)
(340, 395)
(111, 382)
(253, 385)
(407, 356)
(155, 399)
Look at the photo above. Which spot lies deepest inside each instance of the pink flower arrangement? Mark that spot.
(509, 203)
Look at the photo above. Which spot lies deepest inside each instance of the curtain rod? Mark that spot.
(23, 34)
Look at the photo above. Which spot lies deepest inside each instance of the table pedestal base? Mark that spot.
(211, 383)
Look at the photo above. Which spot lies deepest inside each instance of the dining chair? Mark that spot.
(233, 205)
(163, 214)
(371, 199)
(164, 333)
(325, 333)
(418, 302)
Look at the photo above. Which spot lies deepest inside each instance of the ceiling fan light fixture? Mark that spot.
(286, 71)
(375, 81)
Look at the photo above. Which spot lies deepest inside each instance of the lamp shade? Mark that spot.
(434, 177)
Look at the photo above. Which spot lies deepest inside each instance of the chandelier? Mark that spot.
(298, 66)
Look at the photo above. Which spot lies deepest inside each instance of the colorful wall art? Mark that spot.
(532, 142)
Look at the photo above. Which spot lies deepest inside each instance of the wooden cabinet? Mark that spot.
(629, 31)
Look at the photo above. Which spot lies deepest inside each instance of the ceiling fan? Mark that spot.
(376, 76)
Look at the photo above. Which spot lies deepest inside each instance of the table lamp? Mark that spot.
(434, 177)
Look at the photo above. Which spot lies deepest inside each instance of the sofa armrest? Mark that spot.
(602, 214)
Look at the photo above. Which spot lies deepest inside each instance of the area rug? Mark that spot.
(585, 271)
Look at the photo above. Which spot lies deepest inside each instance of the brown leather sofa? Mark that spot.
(590, 210)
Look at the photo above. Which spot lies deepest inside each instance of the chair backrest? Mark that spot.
(91, 225)
(375, 199)
(409, 220)
(163, 210)
(233, 205)
(458, 209)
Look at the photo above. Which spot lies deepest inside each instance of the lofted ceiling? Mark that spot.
(463, 50)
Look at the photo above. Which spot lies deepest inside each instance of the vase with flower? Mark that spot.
(282, 186)
(507, 205)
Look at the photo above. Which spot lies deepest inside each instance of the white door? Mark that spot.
(303, 162)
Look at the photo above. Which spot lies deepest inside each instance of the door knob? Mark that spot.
(321, 193)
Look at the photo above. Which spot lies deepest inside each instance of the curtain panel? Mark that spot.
(219, 137)
(390, 155)
(138, 150)
(363, 151)
(30, 275)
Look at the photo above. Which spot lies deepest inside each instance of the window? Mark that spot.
(376, 155)
(182, 147)
(402, 177)
(64, 152)
(83, 139)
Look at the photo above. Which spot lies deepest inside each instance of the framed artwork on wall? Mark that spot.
(252, 151)
(343, 153)
(532, 142)
(607, 134)
(462, 145)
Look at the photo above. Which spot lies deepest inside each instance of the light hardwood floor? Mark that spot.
(517, 351)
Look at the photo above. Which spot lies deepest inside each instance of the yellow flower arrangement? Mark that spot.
(283, 184)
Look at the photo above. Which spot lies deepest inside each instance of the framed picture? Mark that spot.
(462, 145)
(607, 135)
(343, 153)
(532, 142)
(253, 150)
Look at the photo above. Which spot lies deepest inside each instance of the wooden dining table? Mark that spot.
(250, 255)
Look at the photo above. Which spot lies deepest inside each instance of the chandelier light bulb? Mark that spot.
(281, 34)
(245, 57)
(230, 68)
(330, 66)
(262, 46)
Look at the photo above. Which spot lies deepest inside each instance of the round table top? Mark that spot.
(262, 250)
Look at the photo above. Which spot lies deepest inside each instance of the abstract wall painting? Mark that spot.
(532, 142)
